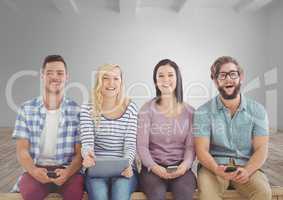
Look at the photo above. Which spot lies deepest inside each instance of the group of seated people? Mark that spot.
(58, 141)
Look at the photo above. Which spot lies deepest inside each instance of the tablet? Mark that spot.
(107, 167)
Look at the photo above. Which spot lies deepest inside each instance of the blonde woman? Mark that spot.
(108, 128)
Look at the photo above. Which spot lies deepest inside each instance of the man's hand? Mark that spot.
(220, 171)
(63, 176)
(88, 161)
(40, 174)
(128, 172)
(242, 176)
(181, 170)
(160, 171)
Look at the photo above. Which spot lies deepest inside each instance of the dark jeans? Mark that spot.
(155, 187)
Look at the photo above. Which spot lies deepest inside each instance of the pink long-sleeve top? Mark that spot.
(165, 140)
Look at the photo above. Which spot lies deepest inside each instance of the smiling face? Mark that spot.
(228, 81)
(111, 83)
(54, 77)
(166, 79)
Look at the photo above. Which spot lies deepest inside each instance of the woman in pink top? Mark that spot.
(164, 142)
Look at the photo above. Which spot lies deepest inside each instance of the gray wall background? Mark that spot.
(194, 39)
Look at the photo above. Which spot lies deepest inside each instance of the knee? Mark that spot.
(121, 193)
(184, 184)
(76, 183)
(208, 189)
(28, 195)
(30, 191)
(155, 195)
(96, 188)
(207, 181)
(32, 194)
(154, 192)
(263, 193)
(94, 193)
(202, 184)
(73, 188)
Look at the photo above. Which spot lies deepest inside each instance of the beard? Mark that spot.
(53, 91)
(226, 96)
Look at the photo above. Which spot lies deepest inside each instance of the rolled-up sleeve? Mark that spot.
(21, 130)
(261, 124)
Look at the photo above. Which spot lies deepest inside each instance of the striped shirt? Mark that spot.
(112, 137)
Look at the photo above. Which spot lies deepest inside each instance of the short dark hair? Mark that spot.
(216, 66)
(53, 58)
(179, 85)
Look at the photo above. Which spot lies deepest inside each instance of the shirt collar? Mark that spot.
(220, 105)
(40, 103)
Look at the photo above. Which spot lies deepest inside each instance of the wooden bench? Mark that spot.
(277, 194)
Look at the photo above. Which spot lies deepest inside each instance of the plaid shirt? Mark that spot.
(30, 123)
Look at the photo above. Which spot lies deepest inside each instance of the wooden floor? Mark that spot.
(10, 169)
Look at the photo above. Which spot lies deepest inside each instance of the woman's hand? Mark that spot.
(128, 172)
(160, 171)
(181, 170)
(89, 161)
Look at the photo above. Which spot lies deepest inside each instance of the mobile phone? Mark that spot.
(171, 169)
(52, 174)
(230, 169)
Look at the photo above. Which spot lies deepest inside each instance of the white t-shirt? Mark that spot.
(48, 140)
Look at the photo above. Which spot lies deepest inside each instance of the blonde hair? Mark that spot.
(96, 96)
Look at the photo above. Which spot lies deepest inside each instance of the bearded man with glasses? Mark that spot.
(231, 138)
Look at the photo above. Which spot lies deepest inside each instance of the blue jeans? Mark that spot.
(118, 188)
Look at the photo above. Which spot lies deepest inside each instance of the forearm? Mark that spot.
(75, 165)
(25, 160)
(130, 145)
(257, 160)
(146, 157)
(130, 153)
(207, 160)
(202, 145)
(143, 149)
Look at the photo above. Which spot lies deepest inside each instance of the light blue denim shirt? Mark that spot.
(231, 137)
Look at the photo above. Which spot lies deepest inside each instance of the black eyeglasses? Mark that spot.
(232, 74)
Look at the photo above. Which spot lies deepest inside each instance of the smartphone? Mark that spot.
(52, 174)
(171, 169)
(230, 169)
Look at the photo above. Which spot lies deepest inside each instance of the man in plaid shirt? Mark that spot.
(47, 138)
